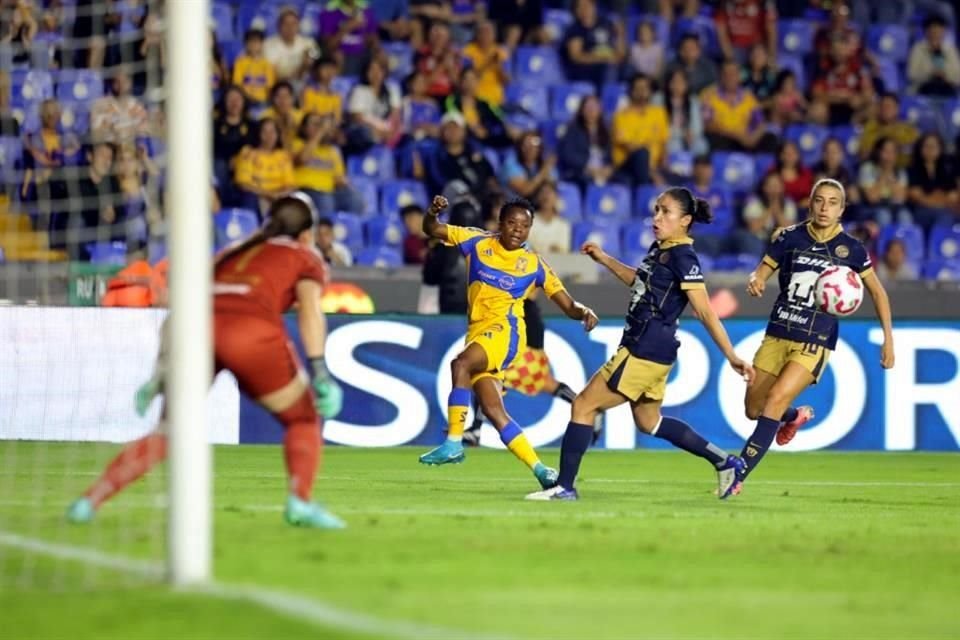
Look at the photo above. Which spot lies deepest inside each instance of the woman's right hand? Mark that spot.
(593, 250)
(756, 286)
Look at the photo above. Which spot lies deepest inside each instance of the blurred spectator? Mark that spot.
(797, 179)
(348, 29)
(550, 232)
(45, 152)
(89, 33)
(732, 117)
(883, 186)
(18, 28)
(414, 240)
(893, 265)
(837, 29)
(334, 252)
(518, 21)
(640, 132)
(289, 52)
(252, 72)
(373, 108)
(94, 213)
(456, 160)
(700, 70)
(420, 115)
(439, 61)
(844, 88)
(886, 123)
(529, 169)
(593, 45)
(232, 130)
(759, 75)
(464, 17)
(934, 66)
(767, 209)
(283, 110)
(742, 24)
(671, 9)
(702, 183)
(933, 183)
(788, 104)
(429, 12)
(646, 54)
(490, 61)
(584, 150)
(319, 170)
(264, 172)
(318, 95)
(484, 123)
(685, 114)
(832, 165)
(49, 40)
(394, 23)
(133, 167)
(219, 73)
(8, 124)
(121, 116)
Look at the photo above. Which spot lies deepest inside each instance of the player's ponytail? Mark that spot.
(288, 216)
(696, 208)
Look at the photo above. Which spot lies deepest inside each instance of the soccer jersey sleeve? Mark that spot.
(776, 250)
(313, 267)
(464, 237)
(686, 268)
(859, 260)
(548, 280)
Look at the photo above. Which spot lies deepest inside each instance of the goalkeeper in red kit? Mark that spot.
(255, 282)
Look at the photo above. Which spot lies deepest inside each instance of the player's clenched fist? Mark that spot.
(439, 204)
(593, 250)
(755, 285)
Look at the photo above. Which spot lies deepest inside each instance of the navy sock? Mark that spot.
(681, 435)
(759, 441)
(789, 415)
(576, 441)
(565, 392)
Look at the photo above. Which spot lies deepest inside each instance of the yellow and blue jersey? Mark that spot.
(801, 258)
(665, 274)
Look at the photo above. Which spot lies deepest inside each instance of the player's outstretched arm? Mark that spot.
(882, 304)
(700, 302)
(625, 273)
(431, 222)
(575, 310)
(313, 331)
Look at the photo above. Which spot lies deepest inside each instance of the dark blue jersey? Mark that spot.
(801, 258)
(669, 269)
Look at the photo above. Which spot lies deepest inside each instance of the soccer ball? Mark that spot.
(839, 291)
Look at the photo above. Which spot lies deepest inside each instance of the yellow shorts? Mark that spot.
(634, 378)
(501, 341)
(528, 373)
(774, 353)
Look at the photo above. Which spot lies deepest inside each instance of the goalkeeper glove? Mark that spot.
(329, 395)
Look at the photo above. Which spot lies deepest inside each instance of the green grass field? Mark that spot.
(818, 546)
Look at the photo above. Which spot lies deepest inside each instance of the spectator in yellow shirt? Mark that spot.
(318, 96)
(283, 109)
(319, 168)
(490, 60)
(640, 133)
(732, 116)
(265, 172)
(252, 71)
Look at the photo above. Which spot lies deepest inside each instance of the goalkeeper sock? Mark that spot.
(789, 415)
(576, 441)
(458, 402)
(758, 443)
(133, 462)
(517, 443)
(681, 435)
(301, 452)
(565, 392)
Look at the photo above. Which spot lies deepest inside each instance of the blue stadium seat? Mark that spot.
(399, 59)
(310, 19)
(796, 37)
(79, 85)
(809, 138)
(556, 22)
(231, 225)
(493, 158)
(910, 234)
(703, 27)
(762, 163)
(736, 262)
(849, 137)
(551, 131)
(644, 198)
(609, 202)
(889, 41)
(945, 242)
(890, 74)
(263, 14)
(538, 64)
(680, 163)
(222, 14)
(377, 163)
(367, 188)
(395, 194)
(605, 234)
(613, 96)
(108, 253)
(734, 171)
(569, 201)
(348, 229)
(532, 98)
(945, 270)
(565, 99)
(385, 231)
(75, 117)
(31, 86)
(380, 257)
(3, 256)
(795, 64)
(637, 236)
(11, 157)
(951, 116)
(922, 112)
(342, 85)
(724, 221)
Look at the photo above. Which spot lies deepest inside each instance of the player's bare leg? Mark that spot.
(468, 363)
(756, 398)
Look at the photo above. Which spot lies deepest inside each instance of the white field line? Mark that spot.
(293, 606)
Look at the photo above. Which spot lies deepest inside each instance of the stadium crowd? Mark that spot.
(587, 108)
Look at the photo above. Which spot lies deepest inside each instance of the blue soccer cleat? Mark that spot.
(546, 476)
(301, 513)
(555, 492)
(81, 511)
(449, 452)
(730, 477)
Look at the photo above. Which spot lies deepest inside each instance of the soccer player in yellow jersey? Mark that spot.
(502, 272)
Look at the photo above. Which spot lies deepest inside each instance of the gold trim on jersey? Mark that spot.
(674, 242)
(837, 230)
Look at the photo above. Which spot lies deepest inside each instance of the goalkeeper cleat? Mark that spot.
(546, 476)
(449, 452)
(728, 475)
(81, 511)
(301, 513)
(555, 492)
(789, 429)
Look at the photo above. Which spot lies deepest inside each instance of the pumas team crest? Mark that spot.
(842, 251)
(521, 264)
(665, 257)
